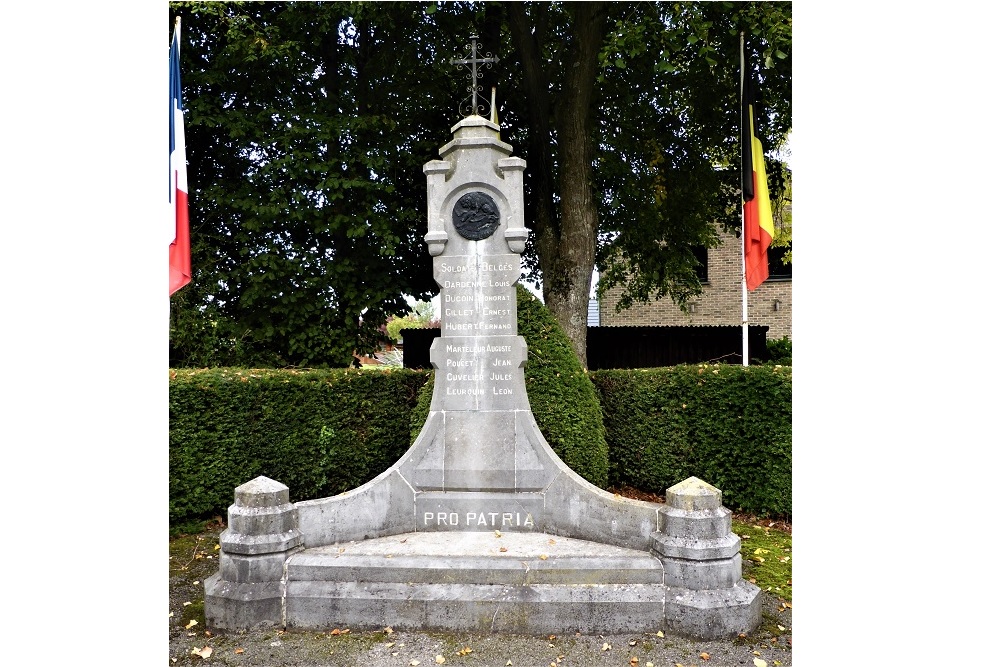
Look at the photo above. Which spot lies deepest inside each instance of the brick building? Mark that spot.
(721, 299)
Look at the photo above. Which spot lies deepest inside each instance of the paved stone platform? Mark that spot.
(478, 581)
(476, 557)
(493, 582)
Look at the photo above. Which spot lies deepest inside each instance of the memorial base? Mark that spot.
(520, 583)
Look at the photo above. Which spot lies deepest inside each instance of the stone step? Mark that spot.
(518, 609)
(484, 558)
(462, 581)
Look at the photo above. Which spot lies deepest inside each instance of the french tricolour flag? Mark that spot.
(180, 247)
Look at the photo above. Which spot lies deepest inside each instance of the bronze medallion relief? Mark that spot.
(475, 216)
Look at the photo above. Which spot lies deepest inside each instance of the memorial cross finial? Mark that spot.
(472, 60)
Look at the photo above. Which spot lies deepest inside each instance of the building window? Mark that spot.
(701, 254)
(777, 269)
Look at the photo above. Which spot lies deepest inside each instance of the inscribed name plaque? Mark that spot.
(479, 354)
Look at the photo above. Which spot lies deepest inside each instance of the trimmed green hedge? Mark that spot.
(319, 432)
(730, 426)
(562, 397)
(326, 432)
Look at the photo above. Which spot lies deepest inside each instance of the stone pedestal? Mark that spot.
(249, 589)
(702, 567)
(480, 526)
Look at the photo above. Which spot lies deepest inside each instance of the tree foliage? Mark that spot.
(420, 316)
(306, 134)
(308, 125)
(669, 127)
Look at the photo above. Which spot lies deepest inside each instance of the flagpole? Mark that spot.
(743, 225)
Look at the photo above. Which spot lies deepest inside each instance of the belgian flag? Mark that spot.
(758, 225)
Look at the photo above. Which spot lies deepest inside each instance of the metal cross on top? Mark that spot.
(472, 58)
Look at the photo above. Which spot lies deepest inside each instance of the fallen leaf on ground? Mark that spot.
(439, 659)
(551, 637)
(544, 557)
(191, 624)
(757, 662)
(204, 653)
(704, 656)
(633, 660)
(649, 664)
(414, 663)
(633, 643)
(388, 631)
(659, 633)
(498, 533)
(186, 604)
(606, 646)
(503, 549)
(464, 651)
(238, 651)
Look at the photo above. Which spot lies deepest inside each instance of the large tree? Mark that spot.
(306, 134)
(633, 112)
(308, 124)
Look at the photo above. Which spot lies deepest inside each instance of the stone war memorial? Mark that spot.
(480, 526)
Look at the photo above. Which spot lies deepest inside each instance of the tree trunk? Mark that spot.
(540, 211)
(567, 281)
(567, 243)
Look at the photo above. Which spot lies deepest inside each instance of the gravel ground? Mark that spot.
(192, 559)
(402, 649)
